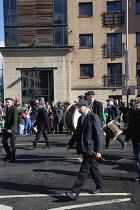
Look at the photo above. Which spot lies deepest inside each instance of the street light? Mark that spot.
(127, 56)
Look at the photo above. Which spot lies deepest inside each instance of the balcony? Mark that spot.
(113, 50)
(114, 19)
(113, 81)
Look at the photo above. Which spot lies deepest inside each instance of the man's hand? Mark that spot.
(98, 155)
(67, 147)
(8, 131)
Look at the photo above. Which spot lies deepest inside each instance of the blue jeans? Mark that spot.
(28, 125)
(136, 150)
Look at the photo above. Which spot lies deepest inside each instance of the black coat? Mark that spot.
(133, 128)
(42, 119)
(11, 119)
(113, 114)
(88, 135)
(98, 109)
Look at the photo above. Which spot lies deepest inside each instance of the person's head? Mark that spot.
(90, 95)
(9, 101)
(116, 102)
(80, 97)
(137, 103)
(110, 101)
(132, 102)
(60, 104)
(82, 107)
(40, 104)
(123, 104)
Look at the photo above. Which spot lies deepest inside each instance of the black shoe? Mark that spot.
(12, 160)
(123, 145)
(98, 191)
(72, 195)
(48, 146)
(31, 147)
(107, 147)
(6, 159)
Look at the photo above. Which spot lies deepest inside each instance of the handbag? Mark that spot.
(24, 116)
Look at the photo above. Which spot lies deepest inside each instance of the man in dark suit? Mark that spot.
(42, 126)
(133, 132)
(94, 104)
(113, 114)
(88, 138)
(10, 129)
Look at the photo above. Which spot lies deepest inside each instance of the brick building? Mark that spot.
(59, 49)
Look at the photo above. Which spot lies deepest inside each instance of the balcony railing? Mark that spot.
(114, 18)
(112, 51)
(113, 81)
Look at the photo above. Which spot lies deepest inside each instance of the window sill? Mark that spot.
(85, 16)
(85, 47)
(85, 77)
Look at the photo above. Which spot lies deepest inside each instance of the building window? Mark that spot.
(11, 37)
(114, 74)
(10, 12)
(85, 40)
(85, 9)
(137, 6)
(114, 45)
(114, 6)
(86, 70)
(60, 11)
(137, 38)
(138, 69)
(60, 36)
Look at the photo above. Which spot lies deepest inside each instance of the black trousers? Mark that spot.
(108, 140)
(38, 135)
(6, 136)
(89, 163)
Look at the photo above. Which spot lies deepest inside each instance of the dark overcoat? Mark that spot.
(98, 109)
(42, 121)
(88, 135)
(11, 119)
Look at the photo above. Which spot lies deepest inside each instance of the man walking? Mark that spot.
(42, 126)
(10, 129)
(88, 139)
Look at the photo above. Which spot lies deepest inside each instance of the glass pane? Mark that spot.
(14, 19)
(6, 19)
(137, 38)
(6, 6)
(138, 7)
(85, 9)
(14, 37)
(58, 37)
(58, 12)
(86, 70)
(86, 41)
(7, 38)
(114, 6)
(13, 6)
(65, 36)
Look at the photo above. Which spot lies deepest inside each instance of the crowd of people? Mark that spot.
(40, 117)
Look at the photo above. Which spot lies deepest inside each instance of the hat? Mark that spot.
(81, 96)
(137, 100)
(90, 93)
(41, 103)
(60, 102)
(11, 99)
(82, 103)
(110, 99)
(132, 100)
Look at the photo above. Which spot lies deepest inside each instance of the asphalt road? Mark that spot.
(39, 178)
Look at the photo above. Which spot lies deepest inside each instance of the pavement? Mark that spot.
(39, 178)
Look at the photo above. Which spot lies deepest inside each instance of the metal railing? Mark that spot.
(113, 50)
(114, 18)
(113, 81)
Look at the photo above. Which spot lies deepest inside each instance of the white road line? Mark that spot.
(40, 159)
(3, 207)
(58, 195)
(92, 204)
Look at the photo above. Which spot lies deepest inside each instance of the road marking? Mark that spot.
(41, 159)
(3, 207)
(93, 204)
(58, 195)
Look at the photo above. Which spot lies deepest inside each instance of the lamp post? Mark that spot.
(127, 56)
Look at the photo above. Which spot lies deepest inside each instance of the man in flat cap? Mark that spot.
(42, 123)
(88, 139)
(113, 114)
(94, 104)
(10, 129)
(133, 133)
(80, 97)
